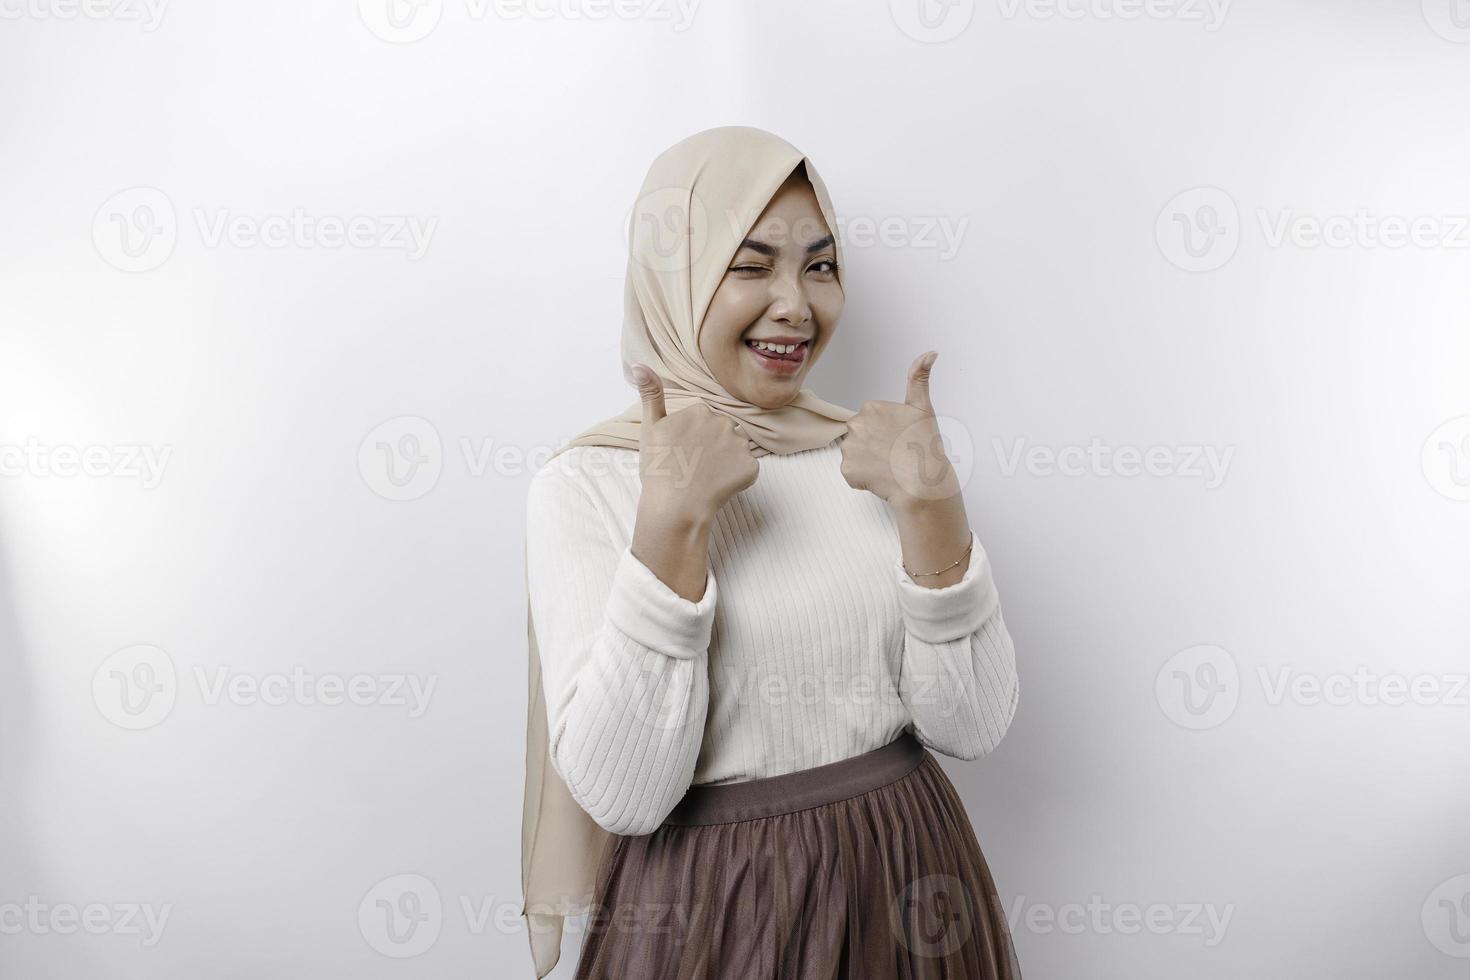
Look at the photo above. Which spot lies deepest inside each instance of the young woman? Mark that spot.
(752, 615)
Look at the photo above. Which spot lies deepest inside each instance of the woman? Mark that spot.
(752, 613)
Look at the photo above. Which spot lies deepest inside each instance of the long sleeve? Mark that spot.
(958, 677)
(624, 662)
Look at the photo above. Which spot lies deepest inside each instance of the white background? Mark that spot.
(1068, 309)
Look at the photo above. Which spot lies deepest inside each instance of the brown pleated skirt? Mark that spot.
(865, 868)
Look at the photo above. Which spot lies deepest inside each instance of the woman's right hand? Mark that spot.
(692, 461)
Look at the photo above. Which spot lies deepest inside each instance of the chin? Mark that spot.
(769, 398)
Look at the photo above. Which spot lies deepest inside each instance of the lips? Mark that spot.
(776, 362)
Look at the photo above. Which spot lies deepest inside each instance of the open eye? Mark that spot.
(825, 267)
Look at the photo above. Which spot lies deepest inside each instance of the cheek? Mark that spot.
(729, 315)
(832, 306)
(827, 305)
(720, 334)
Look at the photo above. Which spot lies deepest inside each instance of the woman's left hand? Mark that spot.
(894, 449)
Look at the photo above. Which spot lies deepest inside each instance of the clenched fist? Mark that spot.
(894, 449)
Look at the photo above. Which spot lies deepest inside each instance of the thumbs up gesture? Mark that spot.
(692, 460)
(894, 449)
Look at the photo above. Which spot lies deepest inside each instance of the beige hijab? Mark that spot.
(700, 198)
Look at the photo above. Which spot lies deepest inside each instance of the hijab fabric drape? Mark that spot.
(697, 203)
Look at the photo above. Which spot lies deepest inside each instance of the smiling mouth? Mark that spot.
(779, 358)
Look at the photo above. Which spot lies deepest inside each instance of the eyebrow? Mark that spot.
(765, 249)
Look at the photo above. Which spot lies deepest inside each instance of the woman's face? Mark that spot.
(780, 288)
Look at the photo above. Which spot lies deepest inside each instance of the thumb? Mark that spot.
(918, 393)
(651, 390)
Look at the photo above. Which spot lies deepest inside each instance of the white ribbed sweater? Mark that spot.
(810, 645)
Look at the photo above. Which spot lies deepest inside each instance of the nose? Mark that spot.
(788, 301)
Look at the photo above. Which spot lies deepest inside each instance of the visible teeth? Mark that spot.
(774, 348)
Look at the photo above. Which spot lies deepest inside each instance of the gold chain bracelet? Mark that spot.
(946, 568)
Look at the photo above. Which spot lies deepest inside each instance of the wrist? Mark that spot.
(928, 510)
(674, 516)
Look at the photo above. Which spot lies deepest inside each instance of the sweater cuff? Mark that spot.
(942, 615)
(653, 615)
